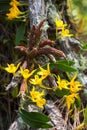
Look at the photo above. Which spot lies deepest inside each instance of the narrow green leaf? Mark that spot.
(66, 62)
(34, 124)
(35, 119)
(15, 92)
(36, 116)
(85, 114)
(63, 65)
(20, 34)
(84, 46)
(65, 68)
(61, 93)
(78, 102)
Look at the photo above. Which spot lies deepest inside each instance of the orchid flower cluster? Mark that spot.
(38, 88)
(60, 26)
(14, 10)
(73, 86)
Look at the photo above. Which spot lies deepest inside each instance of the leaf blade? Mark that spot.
(35, 119)
(61, 93)
(20, 34)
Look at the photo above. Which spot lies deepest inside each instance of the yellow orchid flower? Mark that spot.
(26, 73)
(74, 86)
(36, 81)
(37, 97)
(35, 94)
(62, 83)
(14, 2)
(44, 73)
(65, 33)
(41, 102)
(14, 12)
(70, 99)
(12, 68)
(59, 24)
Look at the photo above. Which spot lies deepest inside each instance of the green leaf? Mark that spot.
(84, 46)
(35, 119)
(15, 92)
(63, 65)
(85, 116)
(61, 93)
(66, 62)
(35, 124)
(20, 34)
(78, 102)
(37, 115)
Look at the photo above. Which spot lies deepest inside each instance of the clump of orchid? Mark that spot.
(60, 26)
(33, 81)
(14, 11)
(36, 83)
